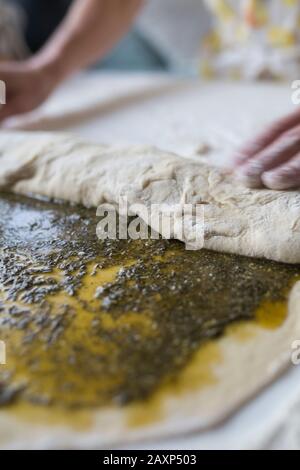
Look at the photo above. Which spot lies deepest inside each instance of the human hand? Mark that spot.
(88, 32)
(272, 159)
(27, 86)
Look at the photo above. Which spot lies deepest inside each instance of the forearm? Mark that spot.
(90, 30)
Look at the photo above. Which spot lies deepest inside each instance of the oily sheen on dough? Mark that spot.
(259, 223)
(245, 368)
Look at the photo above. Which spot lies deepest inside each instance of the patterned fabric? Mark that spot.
(12, 43)
(253, 39)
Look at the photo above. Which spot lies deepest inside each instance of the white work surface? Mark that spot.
(181, 115)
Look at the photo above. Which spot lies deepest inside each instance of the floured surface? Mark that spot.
(152, 109)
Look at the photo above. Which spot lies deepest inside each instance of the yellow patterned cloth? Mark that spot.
(253, 39)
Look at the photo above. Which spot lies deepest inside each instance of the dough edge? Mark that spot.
(259, 223)
(30, 164)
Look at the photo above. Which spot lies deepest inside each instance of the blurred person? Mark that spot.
(251, 39)
(12, 44)
(64, 37)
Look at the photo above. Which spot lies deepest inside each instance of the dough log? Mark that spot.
(258, 223)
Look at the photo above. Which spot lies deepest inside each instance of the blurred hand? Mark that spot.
(27, 86)
(88, 32)
(272, 159)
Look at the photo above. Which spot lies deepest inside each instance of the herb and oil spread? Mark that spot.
(90, 323)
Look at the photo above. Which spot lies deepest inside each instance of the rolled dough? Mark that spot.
(258, 223)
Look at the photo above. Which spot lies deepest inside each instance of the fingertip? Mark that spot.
(246, 153)
(250, 175)
(7, 123)
(282, 180)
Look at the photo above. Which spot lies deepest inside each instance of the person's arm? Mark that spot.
(90, 29)
(272, 159)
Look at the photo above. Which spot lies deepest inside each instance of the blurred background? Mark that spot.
(166, 35)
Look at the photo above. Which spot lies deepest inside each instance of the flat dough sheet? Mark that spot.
(249, 222)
